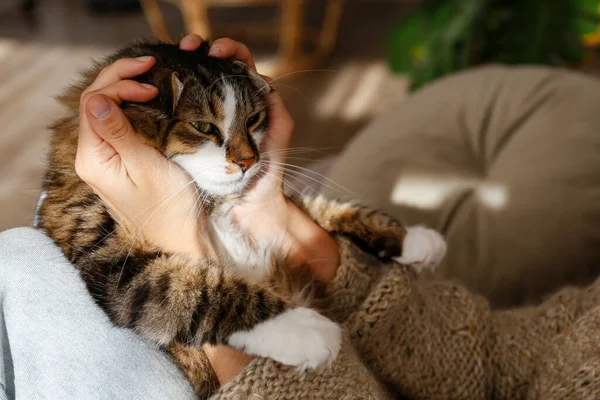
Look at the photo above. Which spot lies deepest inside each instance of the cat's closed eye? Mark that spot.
(204, 127)
(253, 120)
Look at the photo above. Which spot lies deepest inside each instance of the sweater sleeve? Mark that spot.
(353, 281)
(437, 340)
(346, 378)
(570, 364)
(424, 339)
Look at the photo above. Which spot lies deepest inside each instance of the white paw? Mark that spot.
(299, 337)
(422, 249)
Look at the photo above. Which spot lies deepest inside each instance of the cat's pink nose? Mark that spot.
(246, 163)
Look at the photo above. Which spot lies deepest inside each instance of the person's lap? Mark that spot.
(58, 344)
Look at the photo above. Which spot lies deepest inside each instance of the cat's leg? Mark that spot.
(197, 368)
(170, 299)
(376, 232)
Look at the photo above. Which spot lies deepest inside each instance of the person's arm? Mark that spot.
(130, 177)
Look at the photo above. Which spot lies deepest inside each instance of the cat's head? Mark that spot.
(210, 116)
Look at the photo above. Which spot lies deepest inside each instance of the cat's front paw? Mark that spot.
(423, 248)
(300, 337)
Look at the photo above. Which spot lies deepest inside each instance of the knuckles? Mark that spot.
(116, 127)
(82, 169)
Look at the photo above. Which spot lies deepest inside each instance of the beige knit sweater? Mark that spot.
(419, 339)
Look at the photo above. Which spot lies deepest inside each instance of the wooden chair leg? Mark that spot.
(292, 35)
(195, 14)
(331, 24)
(292, 23)
(155, 20)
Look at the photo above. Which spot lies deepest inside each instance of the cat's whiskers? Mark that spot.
(319, 175)
(226, 77)
(305, 189)
(296, 150)
(119, 224)
(283, 181)
(302, 159)
(292, 73)
(293, 88)
(288, 167)
(139, 230)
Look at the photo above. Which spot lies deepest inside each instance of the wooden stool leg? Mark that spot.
(195, 14)
(155, 20)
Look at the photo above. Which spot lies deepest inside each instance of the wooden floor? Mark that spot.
(329, 104)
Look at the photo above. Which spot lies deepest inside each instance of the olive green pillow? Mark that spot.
(505, 162)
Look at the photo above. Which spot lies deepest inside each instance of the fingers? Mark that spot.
(190, 42)
(104, 129)
(221, 48)
(108, 121)
(124, 68)
(125, 90)
(225, 48)
(117, 92)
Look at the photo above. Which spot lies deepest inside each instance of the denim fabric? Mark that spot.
(58, 344)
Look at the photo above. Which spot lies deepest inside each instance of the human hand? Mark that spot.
(264, 212)
(142, 189)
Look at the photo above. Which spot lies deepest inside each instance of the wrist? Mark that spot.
(313, 245)
(178, 232)
(226, 362)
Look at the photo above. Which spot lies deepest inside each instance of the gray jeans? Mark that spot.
(58, 344)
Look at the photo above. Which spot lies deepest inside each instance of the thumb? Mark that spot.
(109, 122)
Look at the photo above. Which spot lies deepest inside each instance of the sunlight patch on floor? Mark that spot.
(360, 91)
(333, 98)
(365, 92)
(6, 47)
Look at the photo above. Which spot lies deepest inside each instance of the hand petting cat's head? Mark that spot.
(210, 116)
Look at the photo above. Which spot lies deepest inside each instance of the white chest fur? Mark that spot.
(251, 260)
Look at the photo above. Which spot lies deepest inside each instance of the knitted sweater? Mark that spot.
(420, 339)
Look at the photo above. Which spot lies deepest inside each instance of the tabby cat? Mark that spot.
(205, 115)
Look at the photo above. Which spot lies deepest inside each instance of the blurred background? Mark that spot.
(337, 63)
(43, 44)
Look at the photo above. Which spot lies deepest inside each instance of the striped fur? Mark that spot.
(165, 297)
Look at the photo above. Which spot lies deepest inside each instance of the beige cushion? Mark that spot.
(505, 162)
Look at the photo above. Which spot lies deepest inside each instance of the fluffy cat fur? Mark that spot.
(246, 299)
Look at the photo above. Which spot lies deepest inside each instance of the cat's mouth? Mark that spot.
(230, 185)
(211, 175)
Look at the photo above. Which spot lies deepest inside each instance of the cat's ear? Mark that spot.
(261, 84)
(169, 87)
(177, 88)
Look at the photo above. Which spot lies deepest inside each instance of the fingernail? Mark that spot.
(143, 58)
(99, 107)
(149, 86)
(187, 40)
(215, 50)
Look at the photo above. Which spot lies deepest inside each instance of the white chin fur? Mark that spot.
(207, 166)
(222, 188)
(300, 337)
